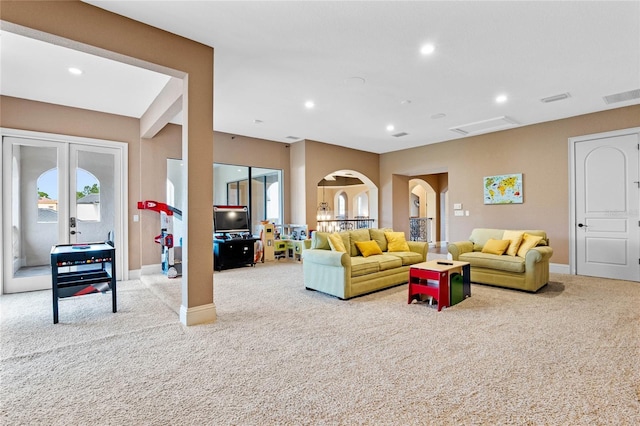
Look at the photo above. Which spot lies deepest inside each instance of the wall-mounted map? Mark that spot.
(503, 189)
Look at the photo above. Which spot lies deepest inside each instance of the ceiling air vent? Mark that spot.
(555, 98)
(399, 135)
(485, 126)
(622, 97)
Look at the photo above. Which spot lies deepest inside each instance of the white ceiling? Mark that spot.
(271, 57)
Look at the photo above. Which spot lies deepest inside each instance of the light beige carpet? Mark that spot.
(282, 355)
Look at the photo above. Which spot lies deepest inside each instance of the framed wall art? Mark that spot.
(503, 189)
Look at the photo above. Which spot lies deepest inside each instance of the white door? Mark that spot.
(55, 192)
(606, 207)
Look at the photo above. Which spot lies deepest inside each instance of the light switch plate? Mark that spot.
(457, 206)
(458, 213)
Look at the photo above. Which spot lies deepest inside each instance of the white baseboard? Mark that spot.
(151, 269)
(559, 268)
(202, 314)
(135, 274)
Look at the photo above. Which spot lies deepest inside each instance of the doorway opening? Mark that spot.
(346, 200)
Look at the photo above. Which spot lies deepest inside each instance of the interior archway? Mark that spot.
(360, 195)
(423, 211)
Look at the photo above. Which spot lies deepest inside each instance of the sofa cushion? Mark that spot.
(407, 257)
(528, 241)
(396, 241)
(364, 265)
(386, 261)
(320, 240)
(492, 246)
(480, 236)
(515, 238)
(368, 248)
(377, 235)
(493, 261)
(336, 243)
(357, 235)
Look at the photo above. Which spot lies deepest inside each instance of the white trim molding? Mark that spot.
(203, 314)
(559, 268)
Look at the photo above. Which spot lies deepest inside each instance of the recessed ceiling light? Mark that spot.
(258, 121)
(74, 71)
(390, 128)
(438, 115)
(309, 104)
(405, 102)
(501, 99)
(427, 49)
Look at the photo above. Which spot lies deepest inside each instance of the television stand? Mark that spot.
(233, 252)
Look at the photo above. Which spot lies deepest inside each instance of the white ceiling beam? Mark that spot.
(165, 106)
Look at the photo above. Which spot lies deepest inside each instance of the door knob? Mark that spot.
(580, 225)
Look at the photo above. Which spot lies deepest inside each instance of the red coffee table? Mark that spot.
(432, 279)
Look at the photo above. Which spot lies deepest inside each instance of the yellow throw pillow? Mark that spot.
(515, 238)
(336, 243)
(368, 248)
(495, 246)
(528, 242)
(396, 241)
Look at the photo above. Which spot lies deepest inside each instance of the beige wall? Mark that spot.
(539, 152)
(298, 194)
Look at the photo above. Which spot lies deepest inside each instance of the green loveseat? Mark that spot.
(346, 275)
(527, 270)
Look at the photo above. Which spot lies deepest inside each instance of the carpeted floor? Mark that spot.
(281, 355)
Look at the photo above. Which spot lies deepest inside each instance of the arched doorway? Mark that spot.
(347, 199)
(423, 211)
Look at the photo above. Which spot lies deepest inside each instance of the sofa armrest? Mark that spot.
(459, 247)
(420, 247)
(326, 257)
(537, 254)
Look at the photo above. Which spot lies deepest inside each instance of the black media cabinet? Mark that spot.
(232, 253)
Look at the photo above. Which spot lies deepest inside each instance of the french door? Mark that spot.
(56, 192)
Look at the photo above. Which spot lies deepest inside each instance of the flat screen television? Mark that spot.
(231, 219)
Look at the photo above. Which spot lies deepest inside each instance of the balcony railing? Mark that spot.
(420, 229)
(336, 225)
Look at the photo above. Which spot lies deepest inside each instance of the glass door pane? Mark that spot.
(230, 186)
(266, 200)
(35, 210)
(93, 202)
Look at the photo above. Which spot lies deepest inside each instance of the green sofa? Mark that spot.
(346, 275)
(528, 270)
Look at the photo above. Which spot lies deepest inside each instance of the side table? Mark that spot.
(436, 279)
